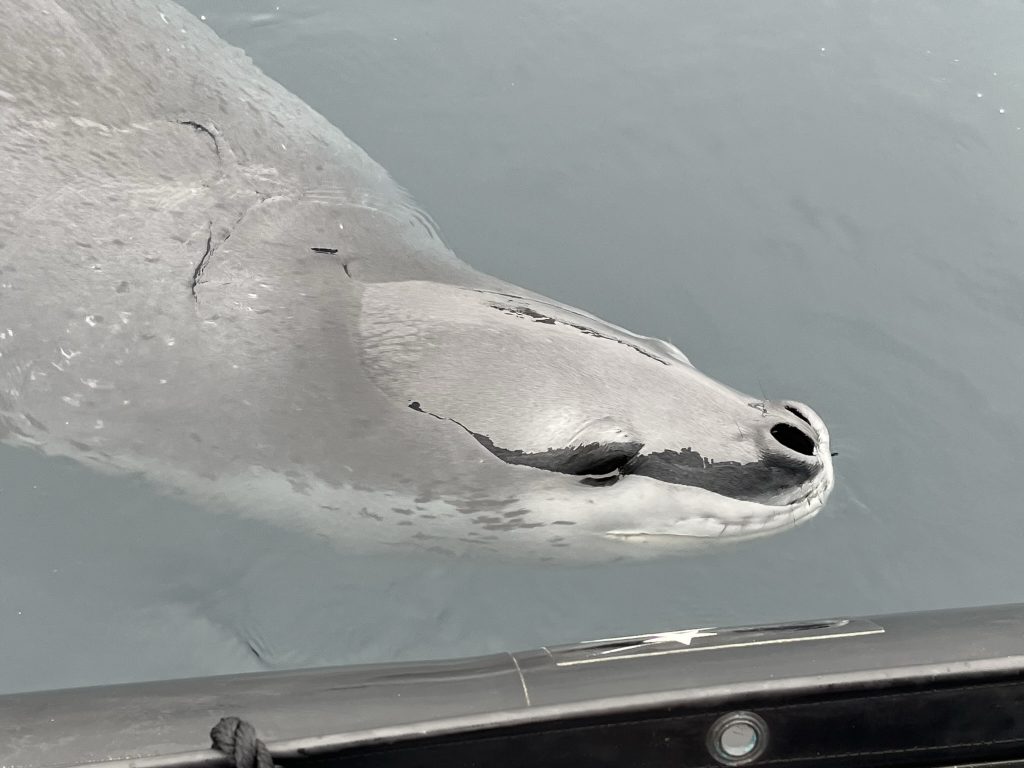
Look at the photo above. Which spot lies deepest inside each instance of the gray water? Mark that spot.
(819, 201)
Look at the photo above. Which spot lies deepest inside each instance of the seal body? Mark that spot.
(203, 280)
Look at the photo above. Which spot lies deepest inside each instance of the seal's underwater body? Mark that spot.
(203, 280)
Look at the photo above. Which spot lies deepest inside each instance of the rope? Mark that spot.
(237, 739)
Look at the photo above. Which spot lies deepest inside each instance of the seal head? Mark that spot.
(633, 442)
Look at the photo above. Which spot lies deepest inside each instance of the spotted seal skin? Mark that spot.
(203, 280)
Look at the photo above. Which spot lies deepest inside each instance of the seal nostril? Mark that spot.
(797, 413)
(793, 438)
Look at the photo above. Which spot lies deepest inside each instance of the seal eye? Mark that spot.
(600, 482)
(600, 463)
(610, 469)
(614, 460)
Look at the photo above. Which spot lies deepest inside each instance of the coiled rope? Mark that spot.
(237, 739)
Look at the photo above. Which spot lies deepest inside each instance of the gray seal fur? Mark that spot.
(203, 280)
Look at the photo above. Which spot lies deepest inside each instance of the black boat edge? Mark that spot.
(918, 689)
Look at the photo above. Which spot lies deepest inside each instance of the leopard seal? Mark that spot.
(203, 280)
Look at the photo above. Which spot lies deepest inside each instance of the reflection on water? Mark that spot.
(814, 202)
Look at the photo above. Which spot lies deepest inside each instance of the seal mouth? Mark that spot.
(735, 519)
(750, 526)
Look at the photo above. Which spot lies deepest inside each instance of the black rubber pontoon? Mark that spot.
(925, 689)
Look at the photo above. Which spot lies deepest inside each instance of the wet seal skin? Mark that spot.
(204, 281)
